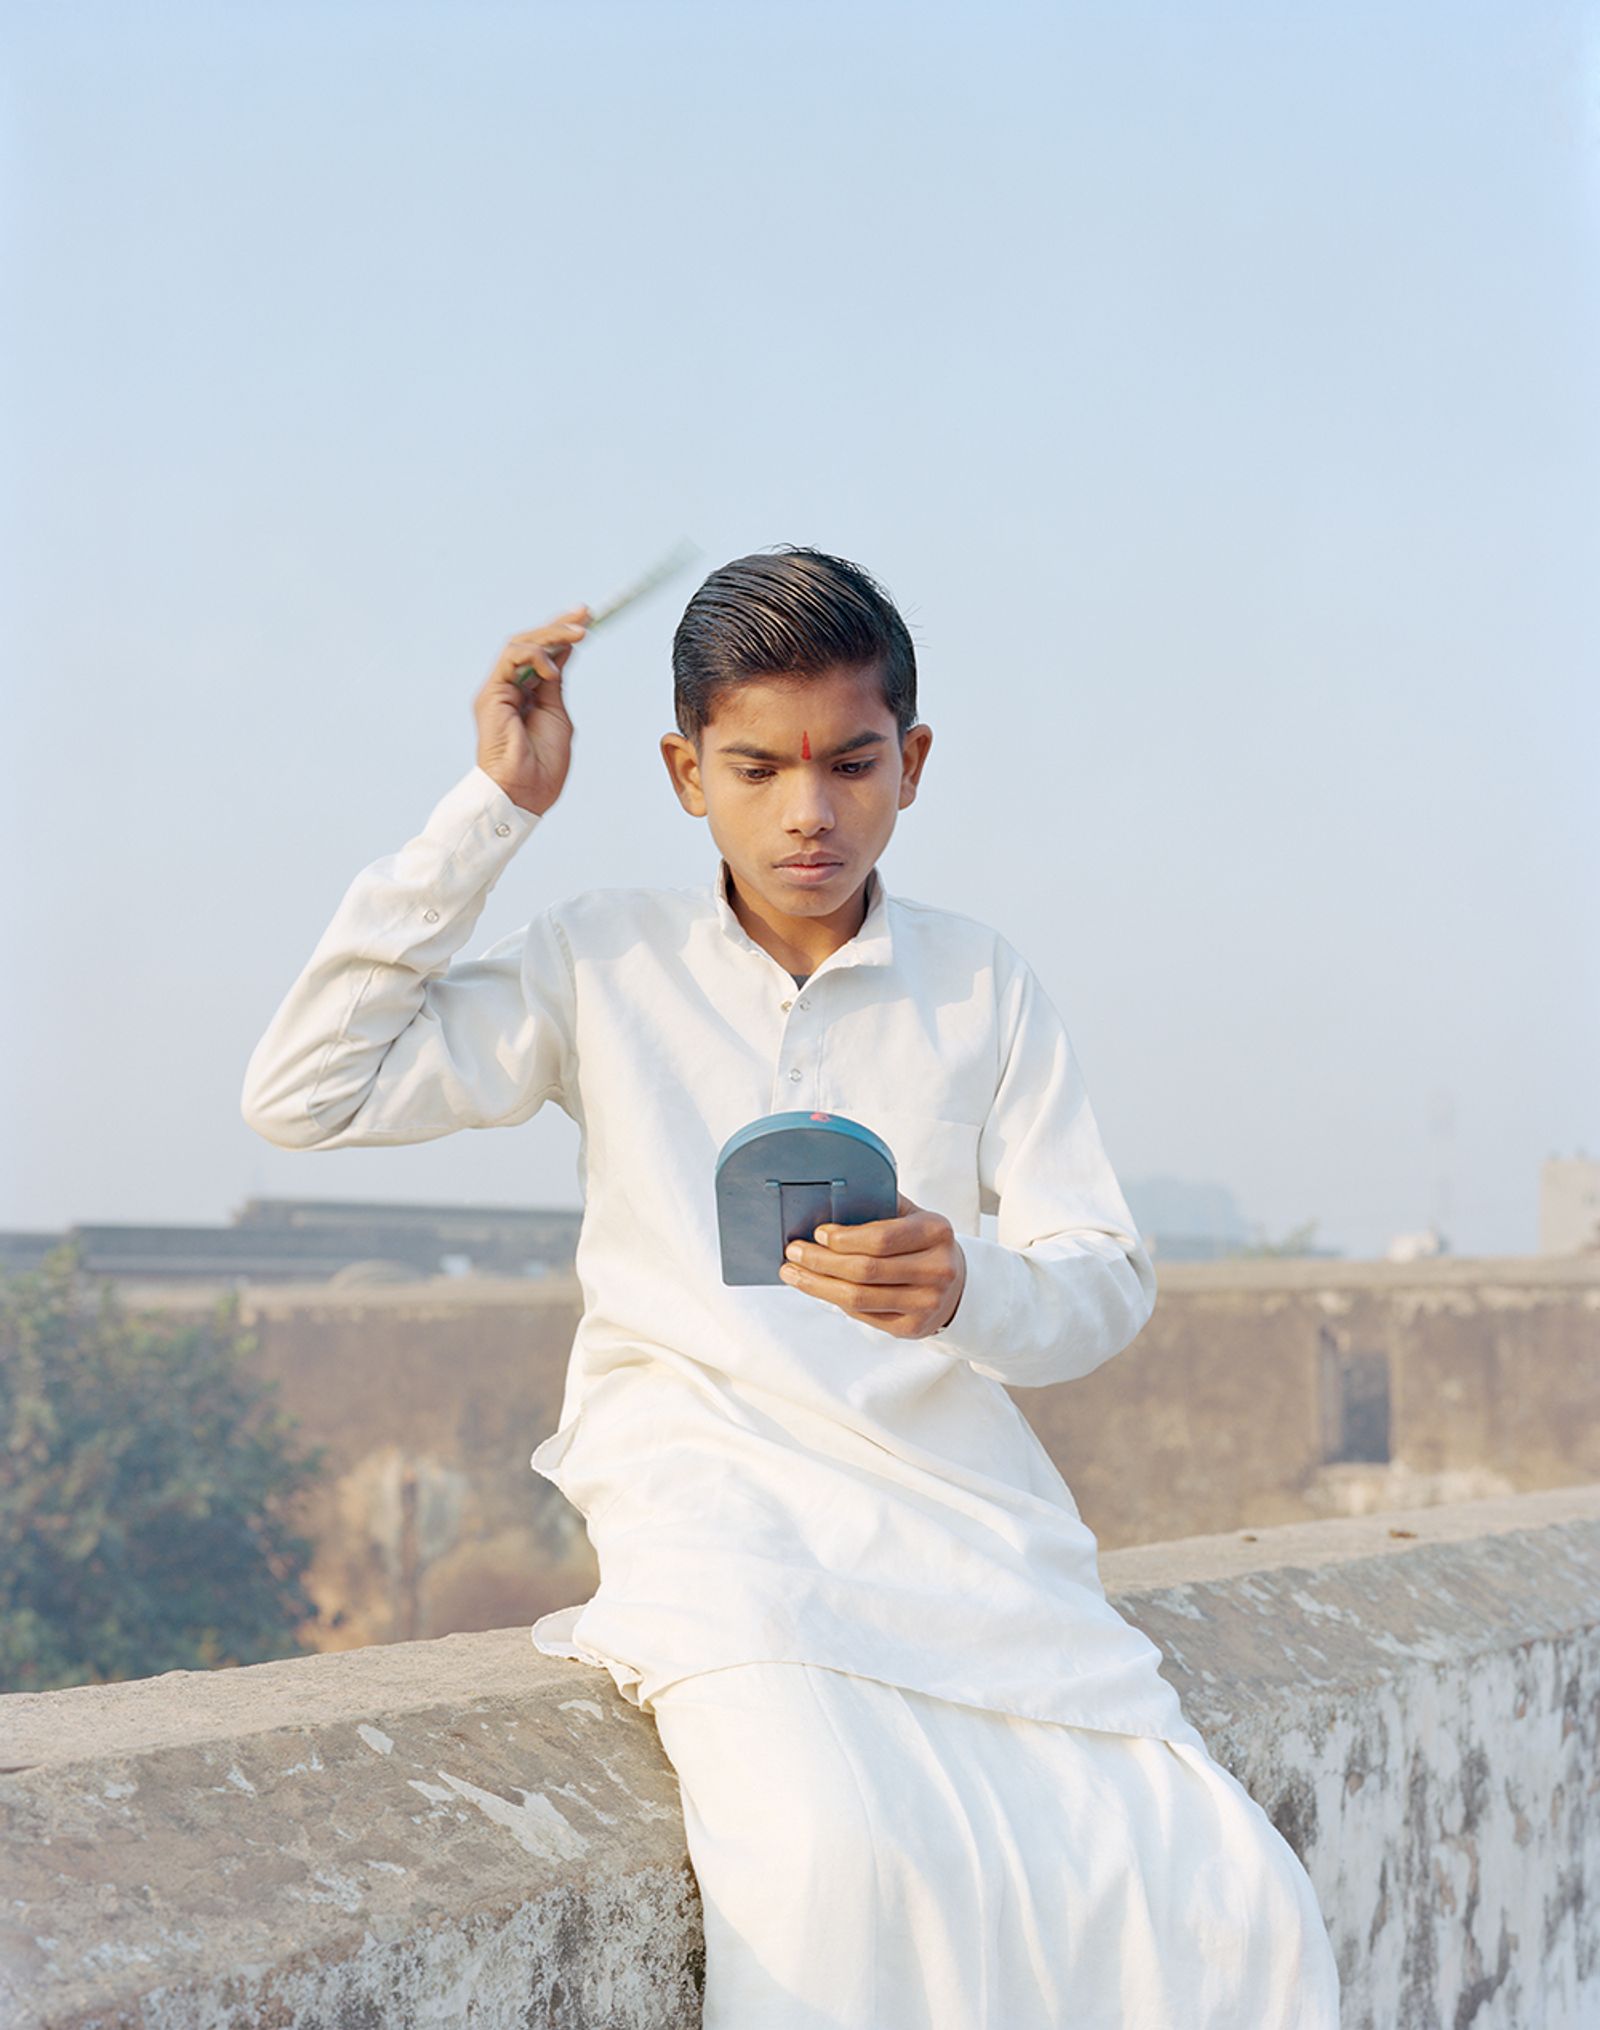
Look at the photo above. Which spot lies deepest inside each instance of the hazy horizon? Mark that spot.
(1215, 391)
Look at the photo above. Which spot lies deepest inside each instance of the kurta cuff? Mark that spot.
(1029, 1317)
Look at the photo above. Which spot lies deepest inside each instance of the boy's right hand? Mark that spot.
(524, 734)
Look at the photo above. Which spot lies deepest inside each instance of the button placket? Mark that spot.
(794, 1048)
(792, 1043)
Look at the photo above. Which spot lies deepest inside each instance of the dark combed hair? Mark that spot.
(790, 611)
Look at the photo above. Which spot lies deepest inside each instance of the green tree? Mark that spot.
(146, 1485)
(1298, 1240)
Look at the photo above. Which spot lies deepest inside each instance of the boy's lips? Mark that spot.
(809, 874)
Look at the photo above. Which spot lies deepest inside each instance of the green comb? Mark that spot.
(677, 559)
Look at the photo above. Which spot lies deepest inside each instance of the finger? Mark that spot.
(553, 630)
(535, 662)
(869, 1299)
(854, 1268)
(904, 1234)
(519, 653)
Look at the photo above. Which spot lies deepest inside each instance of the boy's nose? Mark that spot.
(809, 806)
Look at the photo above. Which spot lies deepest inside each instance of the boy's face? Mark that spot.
(800, 768)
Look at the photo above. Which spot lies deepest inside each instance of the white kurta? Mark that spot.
(765, 1478)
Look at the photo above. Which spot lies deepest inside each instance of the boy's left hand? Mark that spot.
(904, 1275)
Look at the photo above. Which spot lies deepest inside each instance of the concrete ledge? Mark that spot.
(368, 1838)
(1357, 1272)
(372, 1838)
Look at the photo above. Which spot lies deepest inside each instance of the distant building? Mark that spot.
(1182, 1220)
(1569, 1205)
(296, 1240)
(1418, 1247)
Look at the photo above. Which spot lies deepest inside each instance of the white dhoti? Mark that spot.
(873, 1858)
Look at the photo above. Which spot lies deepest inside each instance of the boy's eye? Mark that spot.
(851, 767)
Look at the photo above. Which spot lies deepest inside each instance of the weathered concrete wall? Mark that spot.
(368, 1839)
(1414, 1698)
(1229, 1410)
(376, 1837)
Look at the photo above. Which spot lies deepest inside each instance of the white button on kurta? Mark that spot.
(765, 1478)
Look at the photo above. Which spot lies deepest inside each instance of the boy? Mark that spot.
(930, 1776)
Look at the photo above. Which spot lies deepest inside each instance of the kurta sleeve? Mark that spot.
(1067, 1283)
(382, 1039)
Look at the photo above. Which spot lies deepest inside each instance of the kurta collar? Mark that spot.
(872, 945)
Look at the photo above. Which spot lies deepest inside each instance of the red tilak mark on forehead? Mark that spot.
(805, 745)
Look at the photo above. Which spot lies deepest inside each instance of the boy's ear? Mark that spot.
(683, 771)
(918, 740)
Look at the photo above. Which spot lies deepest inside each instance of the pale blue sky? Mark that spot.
(1215, 387)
